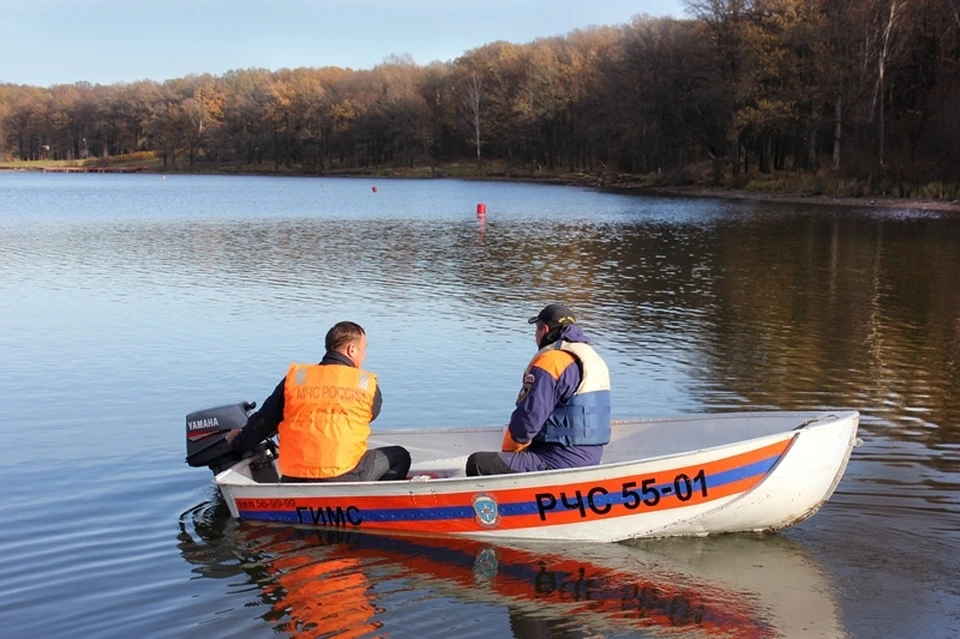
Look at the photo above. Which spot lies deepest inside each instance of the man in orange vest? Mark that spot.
(322, 413)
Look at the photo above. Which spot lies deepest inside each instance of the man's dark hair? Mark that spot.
(342, 334)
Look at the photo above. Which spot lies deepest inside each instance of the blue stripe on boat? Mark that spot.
(520, 508)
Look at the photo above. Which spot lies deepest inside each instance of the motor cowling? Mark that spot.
(207, 435)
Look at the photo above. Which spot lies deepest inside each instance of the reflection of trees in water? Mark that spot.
(345, 584)
(783, 310)
(786, 310)
(791, 311)
(778, 308)
(842, 312)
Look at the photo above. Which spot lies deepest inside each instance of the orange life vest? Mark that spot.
(326, 419)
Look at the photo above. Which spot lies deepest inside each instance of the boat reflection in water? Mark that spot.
(338, 583)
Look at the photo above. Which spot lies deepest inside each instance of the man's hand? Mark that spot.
(232, 435)
(510, 446)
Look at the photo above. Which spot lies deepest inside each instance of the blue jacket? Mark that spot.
(549, 384)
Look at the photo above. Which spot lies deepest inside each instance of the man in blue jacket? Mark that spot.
(562, 418)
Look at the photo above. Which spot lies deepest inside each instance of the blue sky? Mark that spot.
(48, 42)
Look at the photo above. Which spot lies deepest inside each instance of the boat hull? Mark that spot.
(760, 483)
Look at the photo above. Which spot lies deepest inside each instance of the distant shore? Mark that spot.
(638, 185)
(798, 198)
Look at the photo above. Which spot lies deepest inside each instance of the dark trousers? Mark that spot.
(487, 464)
(389, 463)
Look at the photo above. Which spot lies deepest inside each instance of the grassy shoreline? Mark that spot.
(784, 187)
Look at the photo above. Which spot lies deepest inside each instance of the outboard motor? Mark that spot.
(207, 437)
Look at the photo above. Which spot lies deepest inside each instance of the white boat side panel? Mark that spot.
(798, 486)
(804, 477)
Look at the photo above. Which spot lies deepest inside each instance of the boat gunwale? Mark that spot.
(693, 417)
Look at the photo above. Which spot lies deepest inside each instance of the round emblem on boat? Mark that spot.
(486, 509)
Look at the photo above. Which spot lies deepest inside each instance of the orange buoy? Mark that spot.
(374, 189)
(481, 209)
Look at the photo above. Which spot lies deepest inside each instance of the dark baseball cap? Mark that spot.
(554, 315)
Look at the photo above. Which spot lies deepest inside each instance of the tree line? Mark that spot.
(863, 88)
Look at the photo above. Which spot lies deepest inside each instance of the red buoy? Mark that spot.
(374, 189)
(481, 209)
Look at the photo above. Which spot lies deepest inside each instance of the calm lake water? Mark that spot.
(128, 301)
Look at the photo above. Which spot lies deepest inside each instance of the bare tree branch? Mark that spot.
(471, 106)
(956, 13)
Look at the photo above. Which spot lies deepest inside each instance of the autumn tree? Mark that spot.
(244, 112)
(28, 124)
(738, 85)
(471, 108)
(4, 154)
(438, 90)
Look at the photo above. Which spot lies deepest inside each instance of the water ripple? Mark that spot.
(131, 301)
